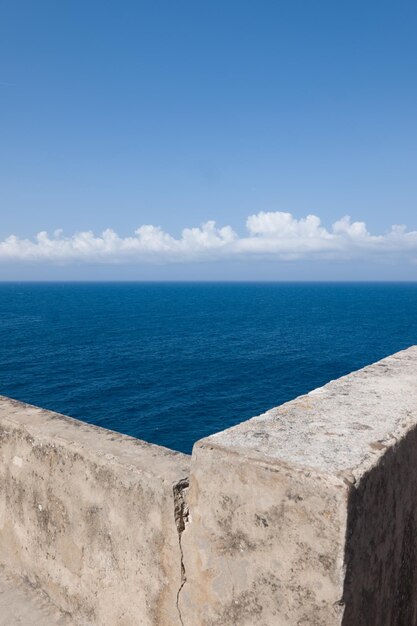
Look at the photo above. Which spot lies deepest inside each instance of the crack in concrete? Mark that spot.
(181, 515)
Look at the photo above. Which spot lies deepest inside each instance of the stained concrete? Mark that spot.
(88, 516)
(306, 515)
(303, 516)
(21, 605)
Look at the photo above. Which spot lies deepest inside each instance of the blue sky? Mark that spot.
(252, 115)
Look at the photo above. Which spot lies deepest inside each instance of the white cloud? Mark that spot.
(270, 235)
(284, 225)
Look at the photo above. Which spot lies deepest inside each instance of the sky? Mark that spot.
(268, 140)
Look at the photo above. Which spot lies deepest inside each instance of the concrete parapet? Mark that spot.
(88, 516)
(306, 515)
(303, 516)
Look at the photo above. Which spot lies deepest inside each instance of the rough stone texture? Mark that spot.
(306, 515)
(303, 516)
(20, 605)
(91, 518)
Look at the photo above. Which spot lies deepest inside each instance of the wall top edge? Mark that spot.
(340, 429)
(46, 427)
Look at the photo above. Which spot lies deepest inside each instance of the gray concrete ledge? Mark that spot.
(337, 429)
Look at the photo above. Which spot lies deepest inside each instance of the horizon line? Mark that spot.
(207, 281)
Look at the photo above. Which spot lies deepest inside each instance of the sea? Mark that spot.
(173, 362)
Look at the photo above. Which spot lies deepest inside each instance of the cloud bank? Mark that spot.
(270, 236)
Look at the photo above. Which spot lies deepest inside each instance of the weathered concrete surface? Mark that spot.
(20, 605)
(88, 516)
(303, 516)
(306, 515)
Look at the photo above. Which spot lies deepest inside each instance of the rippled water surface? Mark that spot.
(171, 363)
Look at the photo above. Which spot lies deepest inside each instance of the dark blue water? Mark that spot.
(171, 363)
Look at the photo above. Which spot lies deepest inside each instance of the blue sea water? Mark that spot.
(173, 362)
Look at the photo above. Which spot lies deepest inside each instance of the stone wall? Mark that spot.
(89, 517)
(303, 516)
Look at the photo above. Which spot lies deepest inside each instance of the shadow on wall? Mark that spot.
(381, 551)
